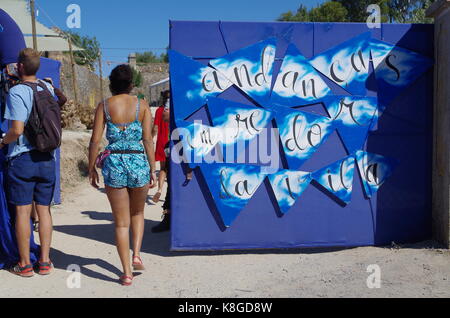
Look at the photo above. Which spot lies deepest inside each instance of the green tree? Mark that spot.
(357, 9)
(165, 57)
(409, 11)
(150, 57)
(91, 49)
(331, 11)
(301, 15)
(399, 11)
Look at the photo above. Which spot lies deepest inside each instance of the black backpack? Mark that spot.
(43, 129)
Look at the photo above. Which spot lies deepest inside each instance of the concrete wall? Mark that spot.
(440, 10)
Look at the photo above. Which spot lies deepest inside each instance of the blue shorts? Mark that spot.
(126, 171)
(31, 177)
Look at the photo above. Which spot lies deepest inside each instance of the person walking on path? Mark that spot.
(164, 225)
(161, 130)
(128, 166)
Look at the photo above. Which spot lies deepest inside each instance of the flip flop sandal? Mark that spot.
(156, 197)
(45, 268)
(26, 271)
(123, 280)
(138, 266)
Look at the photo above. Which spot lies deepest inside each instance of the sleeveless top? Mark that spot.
(127, 139)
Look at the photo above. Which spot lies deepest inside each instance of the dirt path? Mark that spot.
(84, 236)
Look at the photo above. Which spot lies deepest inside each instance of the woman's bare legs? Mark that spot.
(137, 205)
(120, 205)
(161, 180)
(162, 175)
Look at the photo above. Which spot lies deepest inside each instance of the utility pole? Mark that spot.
(74, 78)
(33, 24)
(101, 73)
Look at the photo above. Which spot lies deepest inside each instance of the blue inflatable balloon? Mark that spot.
(11, 39)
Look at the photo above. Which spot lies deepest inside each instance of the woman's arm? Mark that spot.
(147, 140)
(97, 135)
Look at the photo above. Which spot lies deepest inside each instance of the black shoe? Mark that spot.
(36, 226)
(163, 226)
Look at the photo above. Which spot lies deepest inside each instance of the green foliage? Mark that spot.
(302, 15)
(137, 78)
(357, 10)
(331, 11)
(399, 11)
(409, 11)
(91, 47)
(150, 57)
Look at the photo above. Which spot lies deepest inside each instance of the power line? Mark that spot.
(65, 33)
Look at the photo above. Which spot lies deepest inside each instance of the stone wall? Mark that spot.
(152, 73)
(88, 82)
(440, 10)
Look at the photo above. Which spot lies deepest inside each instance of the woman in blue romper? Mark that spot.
(129, 169)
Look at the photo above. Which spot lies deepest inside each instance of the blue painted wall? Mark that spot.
(400, 211)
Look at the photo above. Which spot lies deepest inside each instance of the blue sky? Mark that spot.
(128, 25)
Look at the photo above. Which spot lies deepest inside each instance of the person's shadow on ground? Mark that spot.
(62, 261)
(158, 244)
(97, 232)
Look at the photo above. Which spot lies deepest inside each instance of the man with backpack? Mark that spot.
(34, 122)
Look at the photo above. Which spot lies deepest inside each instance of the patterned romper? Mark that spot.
(125, 170)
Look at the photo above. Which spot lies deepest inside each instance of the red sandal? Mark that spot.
(138, 266)
(25, 271)
(45, 268)
(123, 280)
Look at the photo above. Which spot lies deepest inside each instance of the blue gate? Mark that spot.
(348, 115)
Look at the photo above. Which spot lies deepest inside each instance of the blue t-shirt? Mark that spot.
(18, 107)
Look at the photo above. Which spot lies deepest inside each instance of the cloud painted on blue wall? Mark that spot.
(347, 64)
(352, 116)
(191, 83)
(232, 187)
(287, 186)
(298, 83)
(239, 122)
(396, 68)
(250, 69)
(337, 178)
(301, 134)
(198, 140)
(374, 170)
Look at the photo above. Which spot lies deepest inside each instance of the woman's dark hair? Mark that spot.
(165, 95)
(121, 80)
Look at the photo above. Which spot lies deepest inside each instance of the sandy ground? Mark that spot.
(84, 236)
